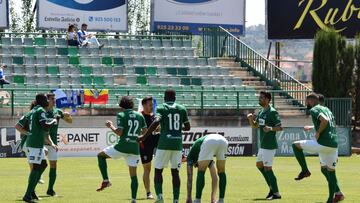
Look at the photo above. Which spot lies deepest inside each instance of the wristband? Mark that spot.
(271, 128)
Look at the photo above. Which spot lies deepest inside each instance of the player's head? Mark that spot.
(41, 100)
(126, 102)
(264, 98)
(312, 100)
(71, 28)
(321, 99)
(32, 104)
(170, 95)
(51, 98)
(147, 104)
(84, 26)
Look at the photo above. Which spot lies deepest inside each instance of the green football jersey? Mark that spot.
(24, 122)
(172, 117)
(193, 155)
(268, 117)
(328, 137)
(37, 136)
(54, 113)
(132, 123)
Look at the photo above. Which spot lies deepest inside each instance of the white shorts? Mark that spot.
(266, 156)
(51, 153)
(213, 145)
(35, 155)
(327, 155)
(132, 160)
(163, 157)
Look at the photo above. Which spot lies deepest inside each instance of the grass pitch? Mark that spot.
(78, 179)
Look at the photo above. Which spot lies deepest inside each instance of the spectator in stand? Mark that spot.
(86, 39)
(72, 37)
(3, 81)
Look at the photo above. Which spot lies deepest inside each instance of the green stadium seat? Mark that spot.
(53, 70)
(142, 80)
(182, 71)
(140, 70)
(86, 80)
(19, 79)
(171, 71)
(196, 81)
(18, 60)
(74, 60)
(72, 51)
(99, 81)
(185, 81)
(118, 61)
(62, 51)
(151, 70)
(107, 60)
(85, 70)
(39, 41)
(6, 41)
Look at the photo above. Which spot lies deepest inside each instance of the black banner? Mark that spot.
(301, 19)
(9, 145)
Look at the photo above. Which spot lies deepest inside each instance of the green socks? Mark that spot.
(299, 154)
(33, 180)
(134, 186)
(222, 185)
(158, 188)
(262, 170)
(200, 183)
(103, 167)
(325, 172)
(272, 180)
(52, 178)
(176, 193)
(331, 184)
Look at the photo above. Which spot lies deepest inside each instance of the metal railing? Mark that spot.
(218, 42)
(341, 109)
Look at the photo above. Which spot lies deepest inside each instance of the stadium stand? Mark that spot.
(136, 66)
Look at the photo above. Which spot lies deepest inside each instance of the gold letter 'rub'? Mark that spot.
(333, 15)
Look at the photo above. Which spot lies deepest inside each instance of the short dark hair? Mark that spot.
(41, 100)
(33, 104)
(312, 96)
(126, 102)
(146, 99)
(84, 24)
(50, 94)
(266, 94)
(170, 95)
(321, 98)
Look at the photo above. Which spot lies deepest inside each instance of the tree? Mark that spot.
(325, 63)
(28, 16)
(139, 16)
(15, 24)
(357, 79)
(345, 69)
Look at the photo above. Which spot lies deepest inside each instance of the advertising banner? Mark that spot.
(191, 16)
(10, 143)
(4, 14)
(294, 19)
(99, 15)
(289, 135)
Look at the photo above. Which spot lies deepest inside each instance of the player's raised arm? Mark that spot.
(251, 120)
(117, 131)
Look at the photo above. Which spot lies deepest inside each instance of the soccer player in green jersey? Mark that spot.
(54, 113)
(173, 119)
(39, 124)
(130, 124)
(23, 127)
(325, 144)
(268, 121)
(201, 155)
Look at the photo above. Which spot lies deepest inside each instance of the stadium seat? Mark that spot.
(18, 60)
(142, 80)
(85, 70)
(39, 41)
(17, 41)
(107, 60)
(28, 41)
(74, 60)
(62, 51)
(72, 51)
(6, 41)
(18, 79)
